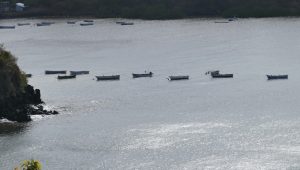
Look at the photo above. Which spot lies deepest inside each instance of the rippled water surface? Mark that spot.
(150, 123)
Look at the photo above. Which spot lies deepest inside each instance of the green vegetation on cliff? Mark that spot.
(13, 81)
(18, 100)
(162, 9)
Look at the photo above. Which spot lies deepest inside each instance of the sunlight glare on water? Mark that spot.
(150, 123)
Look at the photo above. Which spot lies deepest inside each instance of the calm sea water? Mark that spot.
(150, 123)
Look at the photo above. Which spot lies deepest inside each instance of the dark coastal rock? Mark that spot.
(19, 115)
(18, 100)
(32, 95)
(19, 108)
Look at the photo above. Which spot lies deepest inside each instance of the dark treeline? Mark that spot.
(163, 9)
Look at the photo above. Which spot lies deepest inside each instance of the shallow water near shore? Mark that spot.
(150, 123)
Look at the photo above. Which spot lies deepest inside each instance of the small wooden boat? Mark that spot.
(7, 27)
(112, 77)
(66, 77)
(55, 72)
(88, 20)
(79, 72)
(127, 23)
(178, 78)
(23, 24)
(150, 74)
(47, 22)
(222, 75)
(71, 22)
(42, 24)
(86, 24)
(213, 72)
(28, 75)
(274, 77)
(221, 22)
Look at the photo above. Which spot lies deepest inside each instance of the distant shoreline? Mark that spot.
(93, 17)
(157, 10)
(29, 16)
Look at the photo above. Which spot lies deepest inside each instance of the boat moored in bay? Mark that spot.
(47, 22)
(221, 22)
(86, 24)
(88, 20)
(55, 72)
(216, 74)
(66, 77)
(275, 77)
(7, 27)
(222, 75)
(127, 23)
(42, 24)
(23, 24)
(79, 72)
(178, 78)
(212, 72)
(112, 77)
(150, 74)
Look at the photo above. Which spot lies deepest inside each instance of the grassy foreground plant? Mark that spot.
(30, 165)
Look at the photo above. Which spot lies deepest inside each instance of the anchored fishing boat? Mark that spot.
(221, 22)
(55, 72)
(23, 24)
(43, 24)
(112, 77)
(47, 22)
(88, 20)
(142, 75)
(216, 74)
(222, 75)
(7, 27)
(178, 78)
(86, 24)
(127, 23)
(274, 77)
(212, 72)
(66, 77)
(79, 72)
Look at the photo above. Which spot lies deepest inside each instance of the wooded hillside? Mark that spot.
(164, 9)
